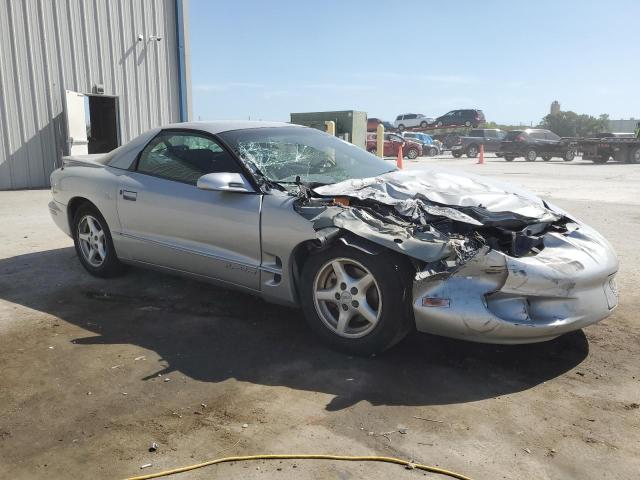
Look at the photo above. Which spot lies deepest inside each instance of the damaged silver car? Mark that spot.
(304, 219)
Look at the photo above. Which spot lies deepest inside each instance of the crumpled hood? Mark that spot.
(484, 201)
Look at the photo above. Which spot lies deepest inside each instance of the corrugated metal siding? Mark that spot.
(48, 47)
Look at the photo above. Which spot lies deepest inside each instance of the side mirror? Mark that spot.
(224, 182)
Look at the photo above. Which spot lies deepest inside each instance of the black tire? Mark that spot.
(569, 155)
(467, 123)
(424, 124)
(602, 159)
(110, 265)
(546, 158)
(509, 158)
(401, 127)
(393, 278)
(634, 155)
(372, 150)
(530, 155)
(472, 151)
(457, 153)
(433, 151)
(439, 124)
(412, 153)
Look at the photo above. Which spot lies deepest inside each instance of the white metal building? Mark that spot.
(84, 76)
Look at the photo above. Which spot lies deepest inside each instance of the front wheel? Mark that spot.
(531, 155)
(634, 155)
(472, 151)
(546, 158)
(401, 127)
(509, 158)
(424, 124)
(372, 150)
(93, 242)
(356, 302)
(467, 123)
(433, 152)
(412, 153)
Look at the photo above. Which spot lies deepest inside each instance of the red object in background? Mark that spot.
(399, 159)
(481, 155)
(392, 144)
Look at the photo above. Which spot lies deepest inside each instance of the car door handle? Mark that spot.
(129, 195)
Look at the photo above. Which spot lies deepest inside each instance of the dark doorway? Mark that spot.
(103, 123)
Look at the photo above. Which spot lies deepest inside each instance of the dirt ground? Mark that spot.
(92, 371)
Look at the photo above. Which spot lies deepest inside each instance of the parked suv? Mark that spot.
(409, 120)
(534, 142)
(469, 144)
(458, 118)
(392, 142)
(429, 146)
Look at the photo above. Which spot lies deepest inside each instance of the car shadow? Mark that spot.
(212, 334)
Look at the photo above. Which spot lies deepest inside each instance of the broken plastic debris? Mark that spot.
(146, 465)
(153, 447)
(245, 425)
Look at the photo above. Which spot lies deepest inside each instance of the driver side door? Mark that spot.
(167, 221)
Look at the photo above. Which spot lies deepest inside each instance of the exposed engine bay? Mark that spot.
(408, 214)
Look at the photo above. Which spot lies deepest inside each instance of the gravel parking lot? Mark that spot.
(94, 371)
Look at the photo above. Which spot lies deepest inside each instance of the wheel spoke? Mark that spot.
(326, 295)
(101, 251)
(84, 237)
(341, 274)
(343, 320)
(367, 312)
(92, 254)
(93, 227)
(363, 283)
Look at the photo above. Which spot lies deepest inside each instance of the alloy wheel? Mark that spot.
(92, 241)
(347, 298)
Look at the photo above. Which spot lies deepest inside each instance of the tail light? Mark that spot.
(521, 138)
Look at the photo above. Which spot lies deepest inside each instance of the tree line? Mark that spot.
(566, 124)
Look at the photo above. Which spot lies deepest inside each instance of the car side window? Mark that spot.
(184, 157)
(551, 136)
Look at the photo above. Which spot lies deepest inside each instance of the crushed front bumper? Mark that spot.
(495, 298)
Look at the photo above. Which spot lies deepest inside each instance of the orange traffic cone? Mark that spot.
(481, 155)
(400, 157)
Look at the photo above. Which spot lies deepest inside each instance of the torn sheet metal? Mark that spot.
(483, 200)
(426, 244)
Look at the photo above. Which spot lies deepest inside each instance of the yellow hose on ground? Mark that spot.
(397, 461)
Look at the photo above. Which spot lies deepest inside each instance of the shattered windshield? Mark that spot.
(281, 154)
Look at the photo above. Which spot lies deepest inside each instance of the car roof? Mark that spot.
(219, 126)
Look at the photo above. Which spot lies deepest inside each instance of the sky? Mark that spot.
(265, 59)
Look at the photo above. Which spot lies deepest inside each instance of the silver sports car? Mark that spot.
(304, 219)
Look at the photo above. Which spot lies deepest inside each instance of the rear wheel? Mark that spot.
(412, 153)
(433, 152)
(569, 155)
(509, 158)
(401, 127)
(93, 242)
(356, 302)
(546, 158)
(424, 124)
(530, 155)
(634, 155)
(372, 150)
(472, 151)
(467, 123)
